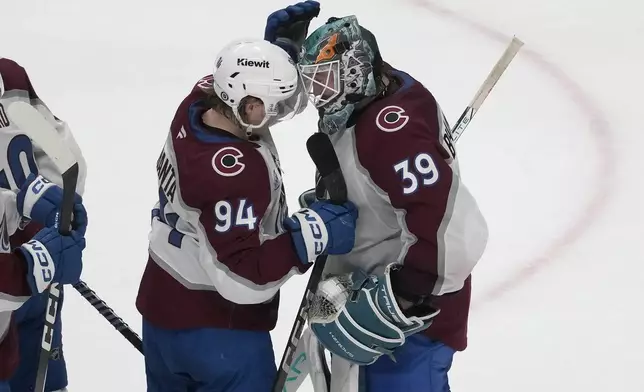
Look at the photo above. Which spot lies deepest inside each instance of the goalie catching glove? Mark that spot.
(357, 317)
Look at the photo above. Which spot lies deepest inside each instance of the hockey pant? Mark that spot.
(208, 360)
(4, 387)
(421, 365)
(30, 319)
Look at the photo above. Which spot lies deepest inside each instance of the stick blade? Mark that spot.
(32, 123)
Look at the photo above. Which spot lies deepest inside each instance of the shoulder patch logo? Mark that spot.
(227, 162)
(391, 119)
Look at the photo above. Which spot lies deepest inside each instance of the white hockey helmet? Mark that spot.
(252, 67)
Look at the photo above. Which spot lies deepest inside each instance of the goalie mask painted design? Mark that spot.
(337, 68)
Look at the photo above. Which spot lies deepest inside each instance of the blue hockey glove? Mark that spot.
(323, 228)
(367, 322)
(40, 200)
(288, 27)
(53, 258)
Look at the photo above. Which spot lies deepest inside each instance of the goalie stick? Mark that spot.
(487, 86)
(458, 129)
(323, 155)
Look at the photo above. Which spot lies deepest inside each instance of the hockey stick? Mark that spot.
(493, 77)
(39, 130)
(109, 314)
(323, 155)
(31, 122)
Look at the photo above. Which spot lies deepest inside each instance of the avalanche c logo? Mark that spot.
(226, 162)
(391, 119)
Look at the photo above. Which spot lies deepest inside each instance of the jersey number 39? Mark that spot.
(417, 172)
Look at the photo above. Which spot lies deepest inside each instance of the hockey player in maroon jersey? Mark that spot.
(221, 241)
(32, 253)
(402, 294)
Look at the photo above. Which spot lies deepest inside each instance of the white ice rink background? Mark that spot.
(554, 157)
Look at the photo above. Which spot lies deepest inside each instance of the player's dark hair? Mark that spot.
(217, 104)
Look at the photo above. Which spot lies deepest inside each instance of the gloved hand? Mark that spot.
(323, 228)
(368, 322)
(288, 27)
(40, 200)
(307, 198)
(53, 258)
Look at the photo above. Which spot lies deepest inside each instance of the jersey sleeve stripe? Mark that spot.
(5, 321)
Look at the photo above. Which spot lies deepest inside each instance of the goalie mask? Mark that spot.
(340, 67)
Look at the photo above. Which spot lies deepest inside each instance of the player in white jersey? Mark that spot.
(221, 243)
(29, 202)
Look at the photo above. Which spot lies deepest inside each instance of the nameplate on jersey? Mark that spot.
(166, 175)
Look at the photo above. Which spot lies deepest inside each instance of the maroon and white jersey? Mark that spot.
(218, 250)
(19, 157)
(14, 289)
(402, 172)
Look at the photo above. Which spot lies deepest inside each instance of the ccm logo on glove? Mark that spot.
(39, 186)
(313, 231)
(43, 267)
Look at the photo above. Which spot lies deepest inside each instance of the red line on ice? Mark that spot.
(599, 130)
